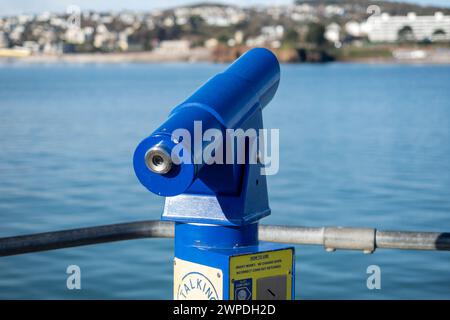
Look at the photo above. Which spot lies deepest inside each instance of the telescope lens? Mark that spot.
(158, 160)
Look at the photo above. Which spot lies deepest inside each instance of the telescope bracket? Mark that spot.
(232, 195)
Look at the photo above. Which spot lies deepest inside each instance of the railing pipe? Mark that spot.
(332, 238)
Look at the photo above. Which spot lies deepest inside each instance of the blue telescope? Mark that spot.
(232, 99)
(217, 206)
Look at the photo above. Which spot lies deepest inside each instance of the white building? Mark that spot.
(270, 35)
(333, 32)
(303, 12)
(213, 15)
(356, 29)
(333, 10)
(211, 43)
(170, 47)
(385, 28)
(74, 35)
(3, 40)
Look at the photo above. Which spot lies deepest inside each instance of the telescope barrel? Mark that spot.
(224, 102)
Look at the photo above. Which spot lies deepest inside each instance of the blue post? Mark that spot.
(217, 206)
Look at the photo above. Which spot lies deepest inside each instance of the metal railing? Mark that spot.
(332, 238)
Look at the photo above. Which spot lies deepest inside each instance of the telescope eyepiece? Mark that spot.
(158, 160)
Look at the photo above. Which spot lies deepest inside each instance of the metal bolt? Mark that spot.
(158, 160)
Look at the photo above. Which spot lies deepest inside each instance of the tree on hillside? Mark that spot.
(316, 34)
(195, 24)
(291, 36)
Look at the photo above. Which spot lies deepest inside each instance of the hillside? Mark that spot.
(391, 7)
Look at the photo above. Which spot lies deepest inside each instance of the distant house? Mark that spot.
(74, 35)
(386, 28)
(355, 29)
(4, 42)
(333, 32)
(270, 35)
(170, 47)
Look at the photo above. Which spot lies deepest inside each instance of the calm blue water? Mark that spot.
(361, 145)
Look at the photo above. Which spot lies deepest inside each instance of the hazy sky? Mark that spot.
(8, 7)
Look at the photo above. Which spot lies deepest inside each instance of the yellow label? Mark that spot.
(262, 276)
(193, 281)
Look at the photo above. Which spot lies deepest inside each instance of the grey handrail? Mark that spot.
(332, 238)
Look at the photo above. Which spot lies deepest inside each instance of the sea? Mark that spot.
(361, 145)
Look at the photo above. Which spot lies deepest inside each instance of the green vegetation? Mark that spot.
(316, 34)
(290, 39)
(366, 52)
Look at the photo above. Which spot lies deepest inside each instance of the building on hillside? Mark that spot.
(333, 32)
(386, 28)
(171, 47)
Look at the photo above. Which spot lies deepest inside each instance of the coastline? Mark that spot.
(121, 57)
(198, 55)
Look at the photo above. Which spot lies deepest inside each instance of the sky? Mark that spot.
(11, 7)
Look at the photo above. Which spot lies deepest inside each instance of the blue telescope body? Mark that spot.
(216, 206)
(228, 194)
